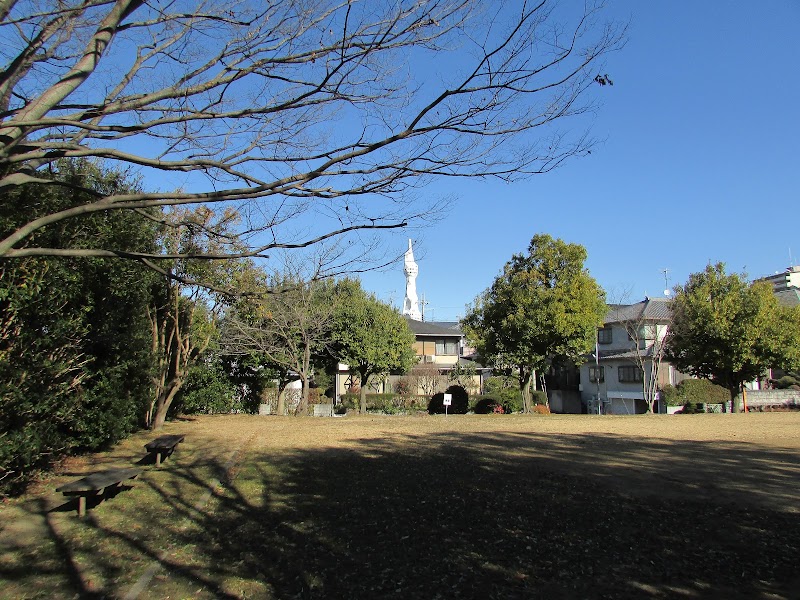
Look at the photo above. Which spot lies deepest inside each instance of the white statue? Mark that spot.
(411, 302)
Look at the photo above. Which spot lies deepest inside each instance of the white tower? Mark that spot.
(411, 302)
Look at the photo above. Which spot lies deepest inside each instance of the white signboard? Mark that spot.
(448, 399)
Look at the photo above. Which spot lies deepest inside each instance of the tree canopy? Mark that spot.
(332, 110)
(544, 306)
(729, 331)
(288, 327)
(75, 345)
(370, 336)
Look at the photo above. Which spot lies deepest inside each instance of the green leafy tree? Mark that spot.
(544, 306)
(75, 353)
(729, 331)
(208, 390)
(370, 336)
(188, 300)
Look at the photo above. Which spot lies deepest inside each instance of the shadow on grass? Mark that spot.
(499, 515)
(71, 504)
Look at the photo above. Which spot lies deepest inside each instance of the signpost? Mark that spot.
(448, 400)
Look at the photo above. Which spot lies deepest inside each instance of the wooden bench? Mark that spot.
(163, 446)
(96, 484)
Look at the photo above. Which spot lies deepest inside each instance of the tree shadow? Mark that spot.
(71, 503)
(494, 515)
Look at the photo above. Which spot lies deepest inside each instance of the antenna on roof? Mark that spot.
(667, 291)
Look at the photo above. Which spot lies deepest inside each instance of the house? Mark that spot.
(628, 359)
(436, 343)
(441, 349)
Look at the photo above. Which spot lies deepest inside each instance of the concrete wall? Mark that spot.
(772, 398)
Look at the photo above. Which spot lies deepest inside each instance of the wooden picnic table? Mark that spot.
(96, 484)
(163, 446)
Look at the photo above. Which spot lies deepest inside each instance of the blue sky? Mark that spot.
(699, 162)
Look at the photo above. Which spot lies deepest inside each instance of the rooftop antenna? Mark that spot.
(667, 291)
(391, 297)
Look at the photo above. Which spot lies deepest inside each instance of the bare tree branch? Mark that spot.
(286, 107)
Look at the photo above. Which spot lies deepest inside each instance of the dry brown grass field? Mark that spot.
(494, 506)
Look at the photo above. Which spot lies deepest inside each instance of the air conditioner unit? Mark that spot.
(428, 359)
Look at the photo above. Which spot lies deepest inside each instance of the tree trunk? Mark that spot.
(648, 393)
(163, 402)
(525, 388)
(280, 409)
(363, 394)
(734, 391)
(302, 410)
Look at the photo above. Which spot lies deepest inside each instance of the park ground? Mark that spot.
(492, 506)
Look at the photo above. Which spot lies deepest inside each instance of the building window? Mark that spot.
(604, 335)
(629, 374)
(594, 372)
(446, 348)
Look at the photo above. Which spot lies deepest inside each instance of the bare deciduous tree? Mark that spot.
(646, 324)
(288, 327)
(428, 379)
(322, 114)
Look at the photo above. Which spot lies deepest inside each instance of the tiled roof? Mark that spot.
(627, 354)
(425, 328)
(649, 309)
(447, 324)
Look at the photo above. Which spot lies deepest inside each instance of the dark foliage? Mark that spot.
(459, 406)
(790, 381)
(75, 345)
(485, 406)
(538, 397)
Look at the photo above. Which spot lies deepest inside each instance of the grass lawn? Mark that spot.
(692, 506)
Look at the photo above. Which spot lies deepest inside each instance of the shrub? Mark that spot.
(485, 405)
(506, 391)
(207, 391)
(350, 400)
(315, 396)
(787, 382)
(694, 394)
(388, 403)
(671, 396)
(459, 405)
(403, 387)
(541, 409)
(702, 390)
(538, 397)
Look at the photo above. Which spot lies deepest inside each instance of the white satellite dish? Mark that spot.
(667, 293)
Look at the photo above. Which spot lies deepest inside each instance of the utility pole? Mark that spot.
(597, 370)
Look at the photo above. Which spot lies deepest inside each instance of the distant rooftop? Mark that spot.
(790, 278)
(432, 328)
(649, 309)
